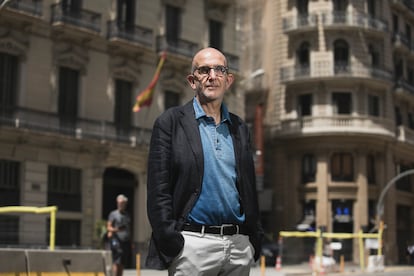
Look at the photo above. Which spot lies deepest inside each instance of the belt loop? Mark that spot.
(203, 227)
(222, 230)
(237, 229)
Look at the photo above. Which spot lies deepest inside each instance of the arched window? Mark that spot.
(341, 55)
(342, 167)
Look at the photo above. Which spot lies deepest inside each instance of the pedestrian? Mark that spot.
(202, 200)
(119, 235)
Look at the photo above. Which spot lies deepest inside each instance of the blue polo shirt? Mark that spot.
(219, 201)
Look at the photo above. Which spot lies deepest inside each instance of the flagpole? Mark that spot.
(2, 5)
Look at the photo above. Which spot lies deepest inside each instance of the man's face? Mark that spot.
(122, 204)
(210, 78)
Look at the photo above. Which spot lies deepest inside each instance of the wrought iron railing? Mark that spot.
(40, 121)
(136, 34)
(79, 18)
(33, 7)
(181, 47)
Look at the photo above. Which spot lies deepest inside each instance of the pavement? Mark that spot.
(288, 270)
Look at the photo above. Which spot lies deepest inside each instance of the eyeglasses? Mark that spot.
(219, 70)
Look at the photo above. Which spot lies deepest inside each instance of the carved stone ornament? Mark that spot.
(13, 43)
(71, 56)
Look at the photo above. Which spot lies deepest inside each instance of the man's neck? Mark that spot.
(212, 109)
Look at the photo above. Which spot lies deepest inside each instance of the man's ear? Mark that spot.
(230, 79)
(191, 81)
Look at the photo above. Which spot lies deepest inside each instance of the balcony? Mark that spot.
(300, 23)
(27, 7)
(334, 20)
(133, 35)
(336, 124)
(401, 42)
(405, 134)
(180, 47)
(404, 88)
(327, 70)
(102, 131)
(80, 20)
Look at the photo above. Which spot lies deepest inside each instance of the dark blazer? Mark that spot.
(175, 172)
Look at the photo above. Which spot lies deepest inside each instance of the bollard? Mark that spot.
(262, 265)
(138, 264)
(341, 264)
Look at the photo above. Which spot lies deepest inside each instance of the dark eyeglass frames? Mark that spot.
(219, 70)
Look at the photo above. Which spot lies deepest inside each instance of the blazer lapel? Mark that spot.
(189, 124)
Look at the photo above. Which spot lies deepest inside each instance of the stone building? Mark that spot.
(335, 80)
(70, 71)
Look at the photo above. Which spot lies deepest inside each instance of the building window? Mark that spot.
(342, 167)
(9, 183)
(308, 168)
(173, 24)
(404, 183)
(398, 116)
(398, 68)
(395, 26)
(371, 169)
(371, 7)
(9, 225)
(302, 7)
(341, 56)
(303, 54)
(408, 34)
(342, 103)
(216, 34)
(64, 188)
(72, 7)
(68, 232)
(123, 107)
(68, 98)
(171, 99)
(8, 84)
(125, 14)
(410, 120)
(373, 105)
(340, 5)
(305, 105)
(375, 56)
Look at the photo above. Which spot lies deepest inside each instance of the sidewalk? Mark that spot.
(288, 270)
(300, 269)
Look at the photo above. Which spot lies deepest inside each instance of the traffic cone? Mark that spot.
(278, 263)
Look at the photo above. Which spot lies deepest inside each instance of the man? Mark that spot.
(118, 228)
(202, 200)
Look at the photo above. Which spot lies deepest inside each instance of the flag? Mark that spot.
(145, 97)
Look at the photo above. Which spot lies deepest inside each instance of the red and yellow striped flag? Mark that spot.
(145, 97)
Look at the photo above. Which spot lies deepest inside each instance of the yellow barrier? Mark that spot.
(37, 210)
(319, 243)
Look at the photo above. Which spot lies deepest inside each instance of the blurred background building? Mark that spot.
(335, 81)
(327, 87)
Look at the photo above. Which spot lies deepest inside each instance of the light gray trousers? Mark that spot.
(213, 255)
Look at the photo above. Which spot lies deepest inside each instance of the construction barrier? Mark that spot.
(318, 260)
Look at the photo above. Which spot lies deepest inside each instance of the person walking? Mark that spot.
(119, 236)
(201, 192)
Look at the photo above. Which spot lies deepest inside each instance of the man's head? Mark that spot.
(209, 76)
(121, 201)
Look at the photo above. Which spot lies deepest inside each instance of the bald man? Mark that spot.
(202, 200)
